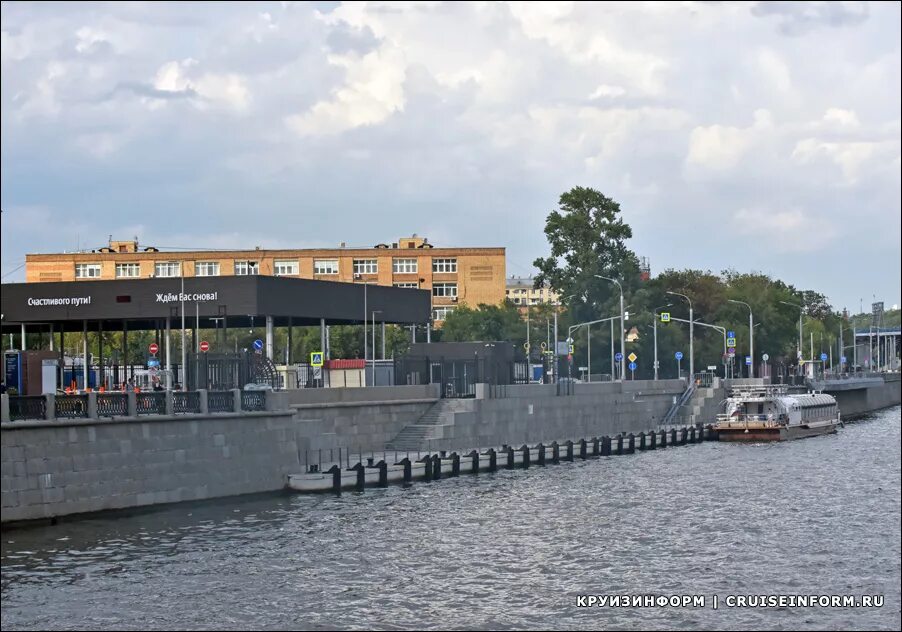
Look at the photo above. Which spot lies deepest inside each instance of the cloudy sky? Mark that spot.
(754, 136)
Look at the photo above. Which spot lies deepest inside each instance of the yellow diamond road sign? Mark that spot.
(632, 357)
(316, 358)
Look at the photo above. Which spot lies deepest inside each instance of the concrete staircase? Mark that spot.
(416, 436)
(705, 404)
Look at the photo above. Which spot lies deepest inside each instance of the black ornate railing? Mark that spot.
(151, 403)
(71, 406)
(253, 400)
(185, 402)
(27, 407)
(112, 404)
(220, 402)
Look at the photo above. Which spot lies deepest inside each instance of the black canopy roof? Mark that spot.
(240, 300)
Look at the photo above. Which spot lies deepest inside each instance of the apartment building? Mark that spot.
(454, 275)
(521, 292)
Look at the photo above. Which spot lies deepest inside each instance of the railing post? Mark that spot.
(236, 393)
(168, 403)
(204, 403)
(92, 405)
(4, 407)
(131, 403)
(50, 406)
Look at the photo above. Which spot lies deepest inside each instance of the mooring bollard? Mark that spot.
(493, 460)
(595, 447)
(642, 442)
(474, 456)
(525, 449)
(652, 440)
(684, 436)
(436, 467)
(383, 473)
(510, 458)
(455, 464)
(555, 452)
(427, 461)
(408, 469)
(569, 445)
(605, 446)
(541, 449)
(619, 449)
(673, 437)
(335, 471)
(631, 444)
(663, 439)
(583, 452)
(692, 434)
(361, 476)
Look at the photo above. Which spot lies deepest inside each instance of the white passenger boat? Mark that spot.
(772, 413)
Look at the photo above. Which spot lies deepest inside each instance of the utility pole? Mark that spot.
(622, 326)
(691, 336)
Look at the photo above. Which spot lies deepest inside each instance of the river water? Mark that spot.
(507, 550)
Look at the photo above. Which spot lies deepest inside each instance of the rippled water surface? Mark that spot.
(505, 550)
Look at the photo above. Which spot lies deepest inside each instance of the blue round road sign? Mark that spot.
(632, 366)
(823, 357)
(678, 355)
(258, 344)
(843, 359)
(618, 356)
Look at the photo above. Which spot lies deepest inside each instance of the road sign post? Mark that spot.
(204, 346)
(153, 348)
(633, 369)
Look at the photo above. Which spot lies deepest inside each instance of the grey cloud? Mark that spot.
(797, 18)
(344, 39)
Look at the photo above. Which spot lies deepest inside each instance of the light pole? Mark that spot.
(751, 335)
(377, 311)
(555, 356)
(801, 309)
(655, 321)
(365, 339)
(182, 300)
(691, 332)
(622, 327)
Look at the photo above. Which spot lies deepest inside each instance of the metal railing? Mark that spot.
(220, 402)
(253, 400)
(27, 407)
(675, 408)
(151, 403)
(71, 406)
(185, 402)
(112, 404)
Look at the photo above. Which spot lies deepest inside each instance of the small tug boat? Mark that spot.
(772, 413)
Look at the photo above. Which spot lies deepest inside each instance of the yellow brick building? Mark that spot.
(453, 275)
(521, 292)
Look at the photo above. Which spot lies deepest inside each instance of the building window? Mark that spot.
(128, 270)
(247, 268)
(365, 266)
(444, 289)
(444, 265)
(325, 266)
(167, 269)
(285, 268)
(206, 268)
(412, 285)
(87, 270)
(441, 313)
(404, 266)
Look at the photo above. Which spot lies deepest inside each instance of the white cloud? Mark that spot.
(784, 230)
(721, 147)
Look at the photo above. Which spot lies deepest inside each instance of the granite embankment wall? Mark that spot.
(857, 402)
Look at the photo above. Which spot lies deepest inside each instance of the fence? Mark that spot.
(132, 405)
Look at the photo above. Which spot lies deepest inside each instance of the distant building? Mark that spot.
(453, 275)
(521, 292)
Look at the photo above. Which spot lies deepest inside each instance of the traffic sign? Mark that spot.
(843, 359)
(731, 351)
(153, 348)
(748, 360)
(569, 341)
(526, 346)
(678, 355)
(731, 334)
(618, 356)
(632, 357)
(258, 344)
(665, 317)
(765, 357)
(543, 345)
(204, 346)
(731, 342)
(632, 366)
(823, 357)
(152, 362)
(571, 350)
(316, 359)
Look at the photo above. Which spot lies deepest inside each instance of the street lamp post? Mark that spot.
(377, 311)
(691, 336)
(655, 322)
(622, 327)
(751, 336)
(801, 309)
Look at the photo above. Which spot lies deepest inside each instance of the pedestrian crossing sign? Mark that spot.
(665, 317)
(316, 359)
